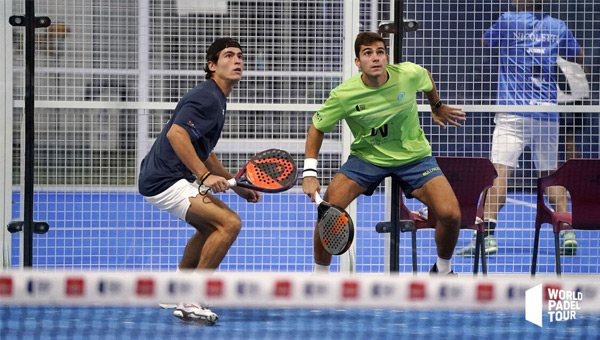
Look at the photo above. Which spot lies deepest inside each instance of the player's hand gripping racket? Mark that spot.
(336, 228)
(272, 170)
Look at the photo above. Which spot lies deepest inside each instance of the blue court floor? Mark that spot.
(277, 324)
(119, 230)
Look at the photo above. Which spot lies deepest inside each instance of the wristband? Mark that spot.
(437, 105)
(310, 168)
(203, 178)
(309, 173)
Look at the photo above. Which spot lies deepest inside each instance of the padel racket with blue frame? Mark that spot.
(272, 170)
(336, 228)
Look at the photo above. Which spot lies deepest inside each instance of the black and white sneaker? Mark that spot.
(195, 312)
(434, 271)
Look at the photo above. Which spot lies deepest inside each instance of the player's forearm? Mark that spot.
(215, 166)
(314, 140)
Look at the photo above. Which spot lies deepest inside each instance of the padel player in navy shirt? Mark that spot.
(182, 158)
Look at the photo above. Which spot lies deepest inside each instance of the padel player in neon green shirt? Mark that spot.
(379, 105)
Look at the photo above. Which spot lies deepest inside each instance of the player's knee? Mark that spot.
(232, 224)
(450, 218)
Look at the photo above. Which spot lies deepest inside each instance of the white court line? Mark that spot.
(519, 202)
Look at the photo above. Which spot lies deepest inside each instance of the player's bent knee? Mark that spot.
(450, 219)
(232, 224)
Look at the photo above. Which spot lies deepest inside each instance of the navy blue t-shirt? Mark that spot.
(201, 112)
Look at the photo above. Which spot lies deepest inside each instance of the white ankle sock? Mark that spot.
(443, 266)
(321, 269)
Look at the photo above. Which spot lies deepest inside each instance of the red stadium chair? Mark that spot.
(581, 178)
(470, 178)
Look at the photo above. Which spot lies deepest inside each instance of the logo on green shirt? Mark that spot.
(383, 130)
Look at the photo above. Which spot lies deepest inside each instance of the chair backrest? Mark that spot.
(581, 177)
(469, 177)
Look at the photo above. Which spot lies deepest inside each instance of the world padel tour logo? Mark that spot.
(562, 304)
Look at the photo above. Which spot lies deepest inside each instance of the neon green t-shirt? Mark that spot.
(384, 120)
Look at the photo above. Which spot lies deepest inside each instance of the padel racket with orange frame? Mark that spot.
(336, 228)
(272, 170)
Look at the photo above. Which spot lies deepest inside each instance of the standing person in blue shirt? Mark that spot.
(182, 158)
(529, 43)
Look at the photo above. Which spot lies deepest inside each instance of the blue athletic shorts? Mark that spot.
(411, 176)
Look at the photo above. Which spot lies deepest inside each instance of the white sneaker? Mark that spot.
(195, 312)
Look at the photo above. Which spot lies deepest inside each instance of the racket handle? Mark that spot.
(231, 181)
(318, 198)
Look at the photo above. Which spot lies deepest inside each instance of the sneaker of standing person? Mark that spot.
(491, 246)
(568, 243)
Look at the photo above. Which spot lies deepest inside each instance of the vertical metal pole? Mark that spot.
(399, 18)
(30, 22)
(143, 125)
(396, 198)
(395, 230)
(30, 25)
(6, 93)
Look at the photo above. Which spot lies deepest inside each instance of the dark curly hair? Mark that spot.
(367, 39)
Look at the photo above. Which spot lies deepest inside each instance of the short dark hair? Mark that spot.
(366, 39)
(212, 54)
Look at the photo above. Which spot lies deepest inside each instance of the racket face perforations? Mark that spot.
(272, 169)
(336, 231)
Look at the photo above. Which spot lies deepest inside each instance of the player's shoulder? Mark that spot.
(405, 67)
(506, 16)
(402, 65)
(554, 21)
(208, 88)
(207, 93)
(349, 85)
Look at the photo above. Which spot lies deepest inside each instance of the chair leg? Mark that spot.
(413, 235)
(557, 253)
(536, 243)
(483, 259)
(476, 259)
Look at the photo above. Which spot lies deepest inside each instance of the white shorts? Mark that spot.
(513, 133)
(176, 199)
